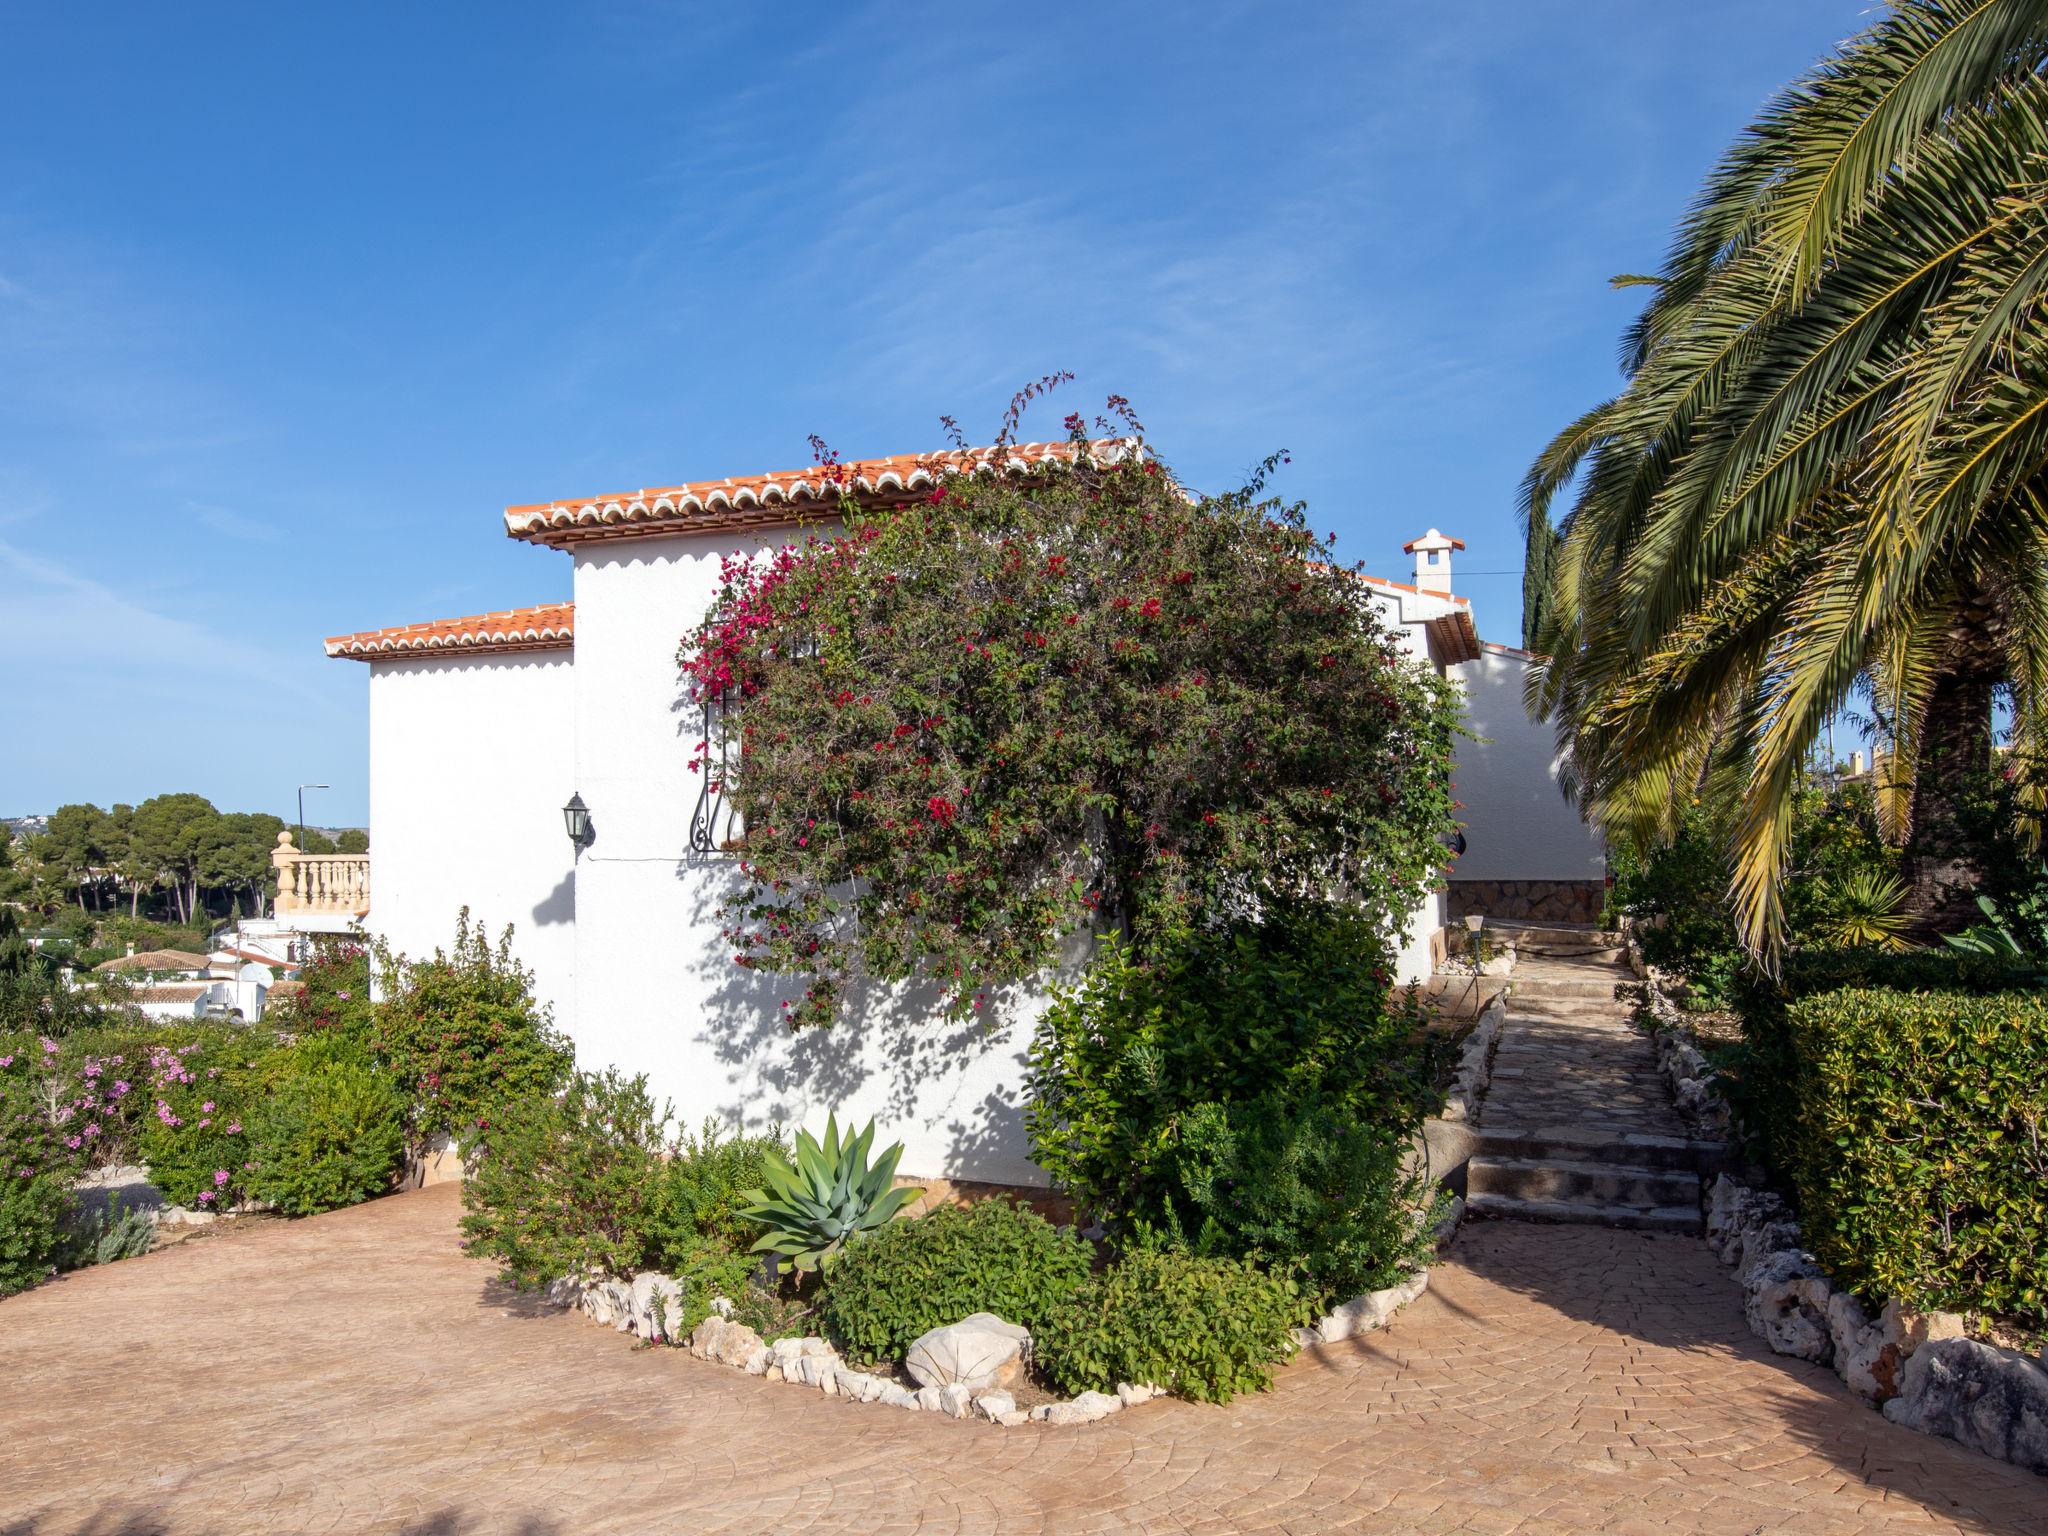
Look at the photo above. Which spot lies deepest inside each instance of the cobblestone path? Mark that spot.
(354, 1373)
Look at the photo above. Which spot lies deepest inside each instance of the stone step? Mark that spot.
(1677, 1219)
(1602, 1184)
(1595, 986)
(1656, 1153)
(1559, 939)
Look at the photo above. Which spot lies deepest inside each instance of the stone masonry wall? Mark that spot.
(1528, 901)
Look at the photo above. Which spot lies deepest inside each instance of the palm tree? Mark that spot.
(1829, 464)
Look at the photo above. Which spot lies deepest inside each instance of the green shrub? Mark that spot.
(913, 1276)
(1915, 1147)
(327, 1131)
(1251, 1092)
(700, 1235)
(1206, 1329)
(36, 1170)
(567, 1183)
(1304, 1190)
(31, 1229)
(104, 1234)
(463, 1035)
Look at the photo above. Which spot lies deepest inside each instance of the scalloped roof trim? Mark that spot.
(549, 627)
(753, 501)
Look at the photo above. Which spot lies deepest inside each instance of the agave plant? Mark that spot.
(826, 1197)
(1868, 911)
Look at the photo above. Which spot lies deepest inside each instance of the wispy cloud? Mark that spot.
(234, 525)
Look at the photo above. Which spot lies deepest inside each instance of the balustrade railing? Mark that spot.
(335, 884)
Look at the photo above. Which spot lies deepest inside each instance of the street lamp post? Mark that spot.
(302, 811)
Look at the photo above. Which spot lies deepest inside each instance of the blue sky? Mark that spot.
(295, 299)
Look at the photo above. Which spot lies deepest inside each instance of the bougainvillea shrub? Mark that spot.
(1077, 696)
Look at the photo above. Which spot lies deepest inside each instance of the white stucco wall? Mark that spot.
(657, 990)
(470, 761)
(1518, 824)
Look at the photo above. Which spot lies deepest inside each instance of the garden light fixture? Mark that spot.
(576, 817)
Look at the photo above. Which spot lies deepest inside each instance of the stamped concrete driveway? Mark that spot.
(353, 1373)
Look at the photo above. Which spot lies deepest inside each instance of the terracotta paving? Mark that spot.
(353, 1373)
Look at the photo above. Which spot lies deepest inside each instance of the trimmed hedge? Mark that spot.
(1915, 1144)
(1763, 1072)
(931, 1271)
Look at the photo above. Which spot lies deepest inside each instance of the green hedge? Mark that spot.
(1915, 1144)
(1763, 1073)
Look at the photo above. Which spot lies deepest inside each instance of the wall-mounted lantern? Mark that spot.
(576, 817)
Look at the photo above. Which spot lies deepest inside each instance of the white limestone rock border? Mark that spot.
(810, 1361)
(1475, 1063)
(1363, 1314)
(1917, 1367)
(1688, 1072)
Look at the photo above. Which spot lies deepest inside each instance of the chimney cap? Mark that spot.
(1431, 540)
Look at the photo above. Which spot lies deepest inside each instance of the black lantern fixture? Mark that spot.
(576, 817)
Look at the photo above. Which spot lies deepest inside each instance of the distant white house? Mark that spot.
(482, 727)
(177, 984)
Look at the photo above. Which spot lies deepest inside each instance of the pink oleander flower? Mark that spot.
(49, 1046)
(74, 1142)
(220, 1177)
(205, 1195)
(120, 1088)
(92, 1128)
(207, 1107)
(92, 1069)
(234, 1127)
(6, 1061)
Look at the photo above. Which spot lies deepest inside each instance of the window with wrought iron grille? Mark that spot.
(714, 825)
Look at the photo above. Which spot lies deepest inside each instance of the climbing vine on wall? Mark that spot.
(1062, 697)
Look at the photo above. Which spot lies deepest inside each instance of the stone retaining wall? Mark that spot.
(1527, 901)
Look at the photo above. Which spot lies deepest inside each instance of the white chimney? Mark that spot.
(1432, 554)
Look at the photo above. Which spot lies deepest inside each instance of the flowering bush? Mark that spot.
(1070, 697)
(196, 1141)
(333, 995)
(461, 1033)
(93, 1082)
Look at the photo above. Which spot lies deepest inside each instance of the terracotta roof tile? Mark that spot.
(772, 500)
(155, 960)
(550, 627)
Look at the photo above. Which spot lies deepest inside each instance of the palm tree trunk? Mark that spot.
(1944, 868)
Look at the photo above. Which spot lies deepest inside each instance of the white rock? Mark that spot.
(898, 1396)
(1059, 1414)
(1992, 1400)
(929, 1400)
(1868, 1355)
(858, 1386)
(820, 1371)
(757, 1363)
(735, 1344)
(979, 1351)
(1787, 1305)
(709, 1334)
(994, 1403)
(566, 1291)
(1096, 1405)
(1361, 1314)
(1134, 1394)
(653, 1294)
(1013, 1419)
(609, 1301)
(955, 1399)
(721, 1306)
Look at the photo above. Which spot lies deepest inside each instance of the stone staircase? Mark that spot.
(1577, 1123)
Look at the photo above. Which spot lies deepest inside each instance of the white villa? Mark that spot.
(482, 728)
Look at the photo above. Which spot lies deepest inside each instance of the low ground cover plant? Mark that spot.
(1915, 1145)
(1206, 1329)
(913, 1276)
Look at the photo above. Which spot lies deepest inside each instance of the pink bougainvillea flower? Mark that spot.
(220, 1177)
